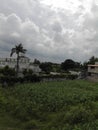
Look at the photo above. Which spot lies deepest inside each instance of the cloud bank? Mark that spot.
(50, 33)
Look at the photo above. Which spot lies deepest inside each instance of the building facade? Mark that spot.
(24, 63)
(93, 69)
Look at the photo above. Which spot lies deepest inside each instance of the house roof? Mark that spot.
(93, 65)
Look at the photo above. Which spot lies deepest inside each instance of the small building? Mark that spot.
(24, 63)
(35, 68)
(93, 70)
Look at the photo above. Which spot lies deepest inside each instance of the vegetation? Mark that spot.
(70, 64)
(68, 105)
(36, 62)
(65, 66)
(46, 67)
(6, 71)
(92, 61)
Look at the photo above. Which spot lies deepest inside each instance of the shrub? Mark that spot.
(79, 114)
(32, 124)
(32, 78)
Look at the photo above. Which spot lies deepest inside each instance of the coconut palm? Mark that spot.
(18, 50)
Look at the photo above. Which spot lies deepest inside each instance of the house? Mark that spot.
(24, 63)
(93, 70)
(35, 68)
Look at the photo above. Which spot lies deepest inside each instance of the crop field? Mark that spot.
(66, 105)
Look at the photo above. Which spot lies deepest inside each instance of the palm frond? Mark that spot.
(13, 50)
(18, 49)
(23, 50)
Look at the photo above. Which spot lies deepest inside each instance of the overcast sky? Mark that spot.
(51, 30)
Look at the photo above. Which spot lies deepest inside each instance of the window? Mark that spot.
(92, 67)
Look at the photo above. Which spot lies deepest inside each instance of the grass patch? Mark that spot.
(7, 122)
(67, 105)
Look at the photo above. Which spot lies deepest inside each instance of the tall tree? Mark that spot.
(18, 49)
(46, 67)
(68, 64)
(92, 60)
(36, 62)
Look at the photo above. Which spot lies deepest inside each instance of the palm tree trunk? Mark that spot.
(17, 66)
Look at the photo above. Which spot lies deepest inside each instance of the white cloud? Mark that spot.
(49, 33)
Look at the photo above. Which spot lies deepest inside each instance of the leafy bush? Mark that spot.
(6, 71)
(32, 124)
(32, 78)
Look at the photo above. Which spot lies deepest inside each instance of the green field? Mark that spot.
(67, 105)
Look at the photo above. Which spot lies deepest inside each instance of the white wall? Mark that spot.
(24, 63)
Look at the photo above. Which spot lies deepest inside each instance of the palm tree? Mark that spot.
(18, 49)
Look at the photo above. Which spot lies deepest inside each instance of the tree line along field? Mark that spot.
(67, 105)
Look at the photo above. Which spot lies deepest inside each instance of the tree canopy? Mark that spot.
(69, 64)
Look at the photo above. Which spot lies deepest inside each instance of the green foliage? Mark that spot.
(70, 64)
(30, 125)
(10, 81)
(92, 60)
(68, 105)
(7, 76)
(31, 78)
(46, 67)
(27, 72)
(36, 62)
(6, 71)
(58, 77)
